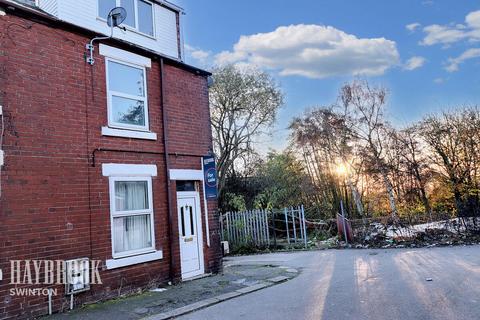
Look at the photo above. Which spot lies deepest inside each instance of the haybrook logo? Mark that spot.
(76, 275)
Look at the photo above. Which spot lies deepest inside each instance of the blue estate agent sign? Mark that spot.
(210, 179)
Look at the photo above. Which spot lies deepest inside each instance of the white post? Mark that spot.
(294, 227)
(304, 227)
(254, 226)
(266, 223)
(234, 230)
(257, 224)
(245, 227)
(262, 217)
(344, 222)
(227, 222)
(237, 233)
(50, 301)
(286, 224)
(260, 225)
(249, 227)
(300, 222)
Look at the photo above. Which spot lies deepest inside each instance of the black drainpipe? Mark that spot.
(167, 172)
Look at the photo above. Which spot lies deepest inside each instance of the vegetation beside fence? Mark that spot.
(247, 231)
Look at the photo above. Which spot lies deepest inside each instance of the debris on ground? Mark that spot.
(384, 236)
(329, 243)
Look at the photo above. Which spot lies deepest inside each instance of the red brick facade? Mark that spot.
(54, 202)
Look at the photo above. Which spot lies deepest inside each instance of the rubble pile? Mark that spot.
(414, 237)
(379, 235)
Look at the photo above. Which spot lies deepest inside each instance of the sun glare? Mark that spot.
(341, 169)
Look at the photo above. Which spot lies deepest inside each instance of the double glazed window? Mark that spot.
(132, 215)
(127, 96)
(139, 13)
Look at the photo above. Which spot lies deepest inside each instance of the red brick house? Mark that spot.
(101, 161)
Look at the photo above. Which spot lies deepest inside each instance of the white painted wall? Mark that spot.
(49, 6)
(84, 14)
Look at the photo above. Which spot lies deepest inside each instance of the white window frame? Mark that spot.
(136, 28)
(111, 93)
(131, 172)
(131, 213)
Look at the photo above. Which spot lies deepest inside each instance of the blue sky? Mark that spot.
(313, 47)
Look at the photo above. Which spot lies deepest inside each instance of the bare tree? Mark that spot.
(244, 104)
(413, 156)
(454, 140)
(325, 143)
(364, 115)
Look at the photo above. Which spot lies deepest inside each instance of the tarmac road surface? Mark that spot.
(426, 283)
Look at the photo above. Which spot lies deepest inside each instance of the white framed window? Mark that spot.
(140, 14)
(126, 95)
(131, 214)
(131, 210)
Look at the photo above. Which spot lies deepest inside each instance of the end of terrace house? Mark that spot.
(102, 161)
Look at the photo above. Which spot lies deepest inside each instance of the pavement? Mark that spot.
(424, 283)
(172, 301)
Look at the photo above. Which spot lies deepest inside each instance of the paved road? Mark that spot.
(363, 284)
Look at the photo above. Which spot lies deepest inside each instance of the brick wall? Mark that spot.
(54, 204)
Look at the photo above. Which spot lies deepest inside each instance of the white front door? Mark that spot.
(190, 233)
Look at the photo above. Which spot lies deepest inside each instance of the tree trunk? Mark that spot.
(356, 196)
(391, 195)
(426, 203)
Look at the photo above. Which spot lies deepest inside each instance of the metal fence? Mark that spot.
(279, 227)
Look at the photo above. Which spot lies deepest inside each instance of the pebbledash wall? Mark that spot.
(54, 203)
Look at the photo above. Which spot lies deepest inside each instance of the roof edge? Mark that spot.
(171, 6)
(26, 12)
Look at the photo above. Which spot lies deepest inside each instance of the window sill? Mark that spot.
(111, 132)
(124, 262)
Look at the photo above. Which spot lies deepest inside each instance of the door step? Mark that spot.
(201, 276)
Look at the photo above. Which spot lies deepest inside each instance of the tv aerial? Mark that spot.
(115, 18)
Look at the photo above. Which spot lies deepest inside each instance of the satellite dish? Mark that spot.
(116, 16)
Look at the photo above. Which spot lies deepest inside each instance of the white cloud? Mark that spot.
(451, 33)
(439, 80)
(313, 51)
(453, 63)
(200, 56)
(414, 63)
(413, 26)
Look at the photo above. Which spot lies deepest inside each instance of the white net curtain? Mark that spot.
(132, 232)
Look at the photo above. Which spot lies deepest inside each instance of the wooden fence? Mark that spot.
(264, 227)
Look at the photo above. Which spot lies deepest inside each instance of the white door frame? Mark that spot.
(194, 175)
(198, 216)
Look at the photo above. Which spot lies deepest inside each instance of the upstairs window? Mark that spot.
(127, 96)
(139, 13)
